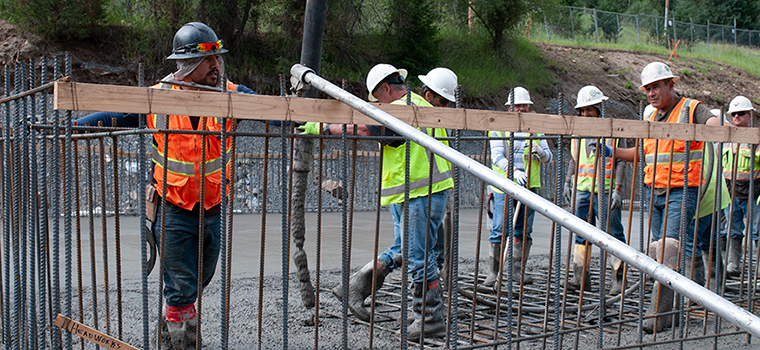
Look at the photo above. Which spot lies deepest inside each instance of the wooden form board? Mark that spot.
(142, 100)
(91, 334)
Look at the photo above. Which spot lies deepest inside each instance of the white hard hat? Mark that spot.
(522, 97)
(377, 74)
(715, 112)
(740, 104)
(656, 71)
(589, 96)
(648, 110)
(441, 80)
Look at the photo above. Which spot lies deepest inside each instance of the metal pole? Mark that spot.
(708, 34)
(734, 32)
(691, 30)
(638, 32)
(572, 25)
(617, 19)
(596, 27)
(546, 26)
(675, 35)
(728, 310)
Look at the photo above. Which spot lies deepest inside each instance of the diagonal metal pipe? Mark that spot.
(720, 306)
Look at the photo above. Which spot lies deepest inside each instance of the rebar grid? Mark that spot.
(478, 316)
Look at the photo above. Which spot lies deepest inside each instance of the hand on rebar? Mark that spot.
(520, 177)
(617, 200)
(568, 192)
(591, 145)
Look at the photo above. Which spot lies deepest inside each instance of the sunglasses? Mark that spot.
(202, 47)
(739, 114)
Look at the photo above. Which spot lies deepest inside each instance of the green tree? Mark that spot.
(500, 17)
(55, 19)
(413, 42)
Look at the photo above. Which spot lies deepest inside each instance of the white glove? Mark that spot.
(520, 177)
(617, 200)
(568, 192)
(538, 153)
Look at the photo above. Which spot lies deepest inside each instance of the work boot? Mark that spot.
(664, 301)
(360, 287)
(580, 268)
(428, 314)
(699, 270)
(493, 264)
(617, 267)
(659, 305)
(518, 256)
(734, 257)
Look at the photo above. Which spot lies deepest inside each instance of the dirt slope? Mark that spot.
(615, 72)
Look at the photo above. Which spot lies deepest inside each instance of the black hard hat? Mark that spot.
(189, 36)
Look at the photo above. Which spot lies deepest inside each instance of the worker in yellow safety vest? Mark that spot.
(740, 169)
(387, 84)
(584, 158)
(528, 155)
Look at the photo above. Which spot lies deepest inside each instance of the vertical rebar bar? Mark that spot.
(560, 172)
(104, 234)
(34, 217)
(142, 171)
(55, 194)
(44, 206)
(224, 327)
(284, 219)
(117, 228)
(68, 182)
(7, 223)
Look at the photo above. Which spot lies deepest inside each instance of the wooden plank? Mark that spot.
(94, 97)
(91, 334)
(623, 128)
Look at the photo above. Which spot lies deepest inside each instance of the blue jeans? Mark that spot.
(703, 235)
(498, 218)
(181, 253)
(582, 209)
(672, 211)
(740, 209)
(418, 225)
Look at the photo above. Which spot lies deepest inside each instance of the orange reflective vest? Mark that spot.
(184, 157)
(657, 171)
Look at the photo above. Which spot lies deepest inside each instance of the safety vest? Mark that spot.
(393, 182)
(535, 166)
(683, 112)
(183, 166)
(743, 163)
(587, 168)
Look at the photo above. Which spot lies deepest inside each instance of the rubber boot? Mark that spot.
(427, 312)
(360, 287)
(580, 268)
(699, 270)
(493, 264)
(664, 301)
(656, 306)
(518, 256)
(734, 257)
(617, 267)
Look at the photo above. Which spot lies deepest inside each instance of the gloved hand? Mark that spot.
(591, 146)
(568, 192)
(520, 177)
(538, 153)
(617, 200)
(310, 128)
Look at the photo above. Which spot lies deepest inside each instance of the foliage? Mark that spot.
(499, 17)
(55, 19)
(413, 42)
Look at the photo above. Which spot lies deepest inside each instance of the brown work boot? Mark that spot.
(580, 269)
(617, 267)
(518, 256)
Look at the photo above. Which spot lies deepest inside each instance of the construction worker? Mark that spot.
(738, 177)
(590, 99)
(528, 156)
(665, 181)
(386, 84)
(197, 52)
(439, 87)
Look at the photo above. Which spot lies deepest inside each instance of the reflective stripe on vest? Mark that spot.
(393, 174)
(535, 166)
(586, 171)
(683, 112)
(744, 158)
